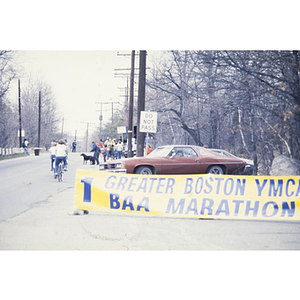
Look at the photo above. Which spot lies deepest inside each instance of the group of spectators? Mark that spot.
(109, 149)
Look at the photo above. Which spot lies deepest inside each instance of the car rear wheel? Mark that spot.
(144, 170)
(215, 170)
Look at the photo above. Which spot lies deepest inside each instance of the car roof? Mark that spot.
(179, 146)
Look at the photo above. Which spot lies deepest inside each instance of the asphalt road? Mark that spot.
(27, 181)
(34, 215)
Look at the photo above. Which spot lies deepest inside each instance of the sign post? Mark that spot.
(122, 130)
(148, 124)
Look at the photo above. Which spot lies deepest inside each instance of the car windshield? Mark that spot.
(160, 152)
(223, 153)
(202, 151)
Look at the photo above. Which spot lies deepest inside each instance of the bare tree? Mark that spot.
(244, 101)
(7, 72)
(49, 114)
(175, 83)
(8, 129)
(277, 75)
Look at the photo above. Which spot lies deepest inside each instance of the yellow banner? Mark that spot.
(190, 196)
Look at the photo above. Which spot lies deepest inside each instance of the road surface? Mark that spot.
(28, 181)
(34, 215)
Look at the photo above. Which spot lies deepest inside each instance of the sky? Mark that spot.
(80, 81)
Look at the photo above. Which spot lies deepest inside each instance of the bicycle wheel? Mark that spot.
(59, 177)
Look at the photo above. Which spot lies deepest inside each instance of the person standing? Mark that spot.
(104, 153)
(149, 150)
(119, 149)
(25, 145)
(106, 141)
(100, 147)
(95, 150)
(74, 144)
(115, 150)
(112, 151)
(108, 146)
(100, 144)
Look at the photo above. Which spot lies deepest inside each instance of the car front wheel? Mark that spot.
(215, 170)
(144, 170)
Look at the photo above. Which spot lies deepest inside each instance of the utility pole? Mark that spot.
(130, 111)
(131, 98)
(141, 102)
(20, 123)
(87, 136)
(126, 101)
(112, 111)
(87, 133)
(62, 128)
(100, 119)
(39, 125)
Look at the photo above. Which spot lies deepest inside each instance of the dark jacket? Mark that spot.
(95, 148)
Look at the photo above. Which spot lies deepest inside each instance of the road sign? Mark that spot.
(23, 133)
(148, 122)
(122, 129)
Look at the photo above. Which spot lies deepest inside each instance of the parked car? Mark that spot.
(133, 148)
(125, 153)
(177, 159)
(249, 163)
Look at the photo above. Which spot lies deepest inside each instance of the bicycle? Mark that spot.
(60, 174)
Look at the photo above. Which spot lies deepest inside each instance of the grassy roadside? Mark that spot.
(12, 156)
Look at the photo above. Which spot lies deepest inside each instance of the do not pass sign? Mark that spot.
(148, 122)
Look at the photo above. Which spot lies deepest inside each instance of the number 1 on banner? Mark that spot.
(87, 189)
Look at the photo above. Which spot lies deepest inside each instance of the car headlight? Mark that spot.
(120, 165)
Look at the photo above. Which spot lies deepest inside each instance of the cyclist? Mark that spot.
(61, 154)
(52, 155)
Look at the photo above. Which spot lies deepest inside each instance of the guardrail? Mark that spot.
(11, 151)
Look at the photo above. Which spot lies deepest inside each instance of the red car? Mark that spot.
(177, 159)
(249, 163)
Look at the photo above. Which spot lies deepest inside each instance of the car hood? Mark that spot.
(133, 159)
(249, 161)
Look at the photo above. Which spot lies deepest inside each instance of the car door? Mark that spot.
(181, 160)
